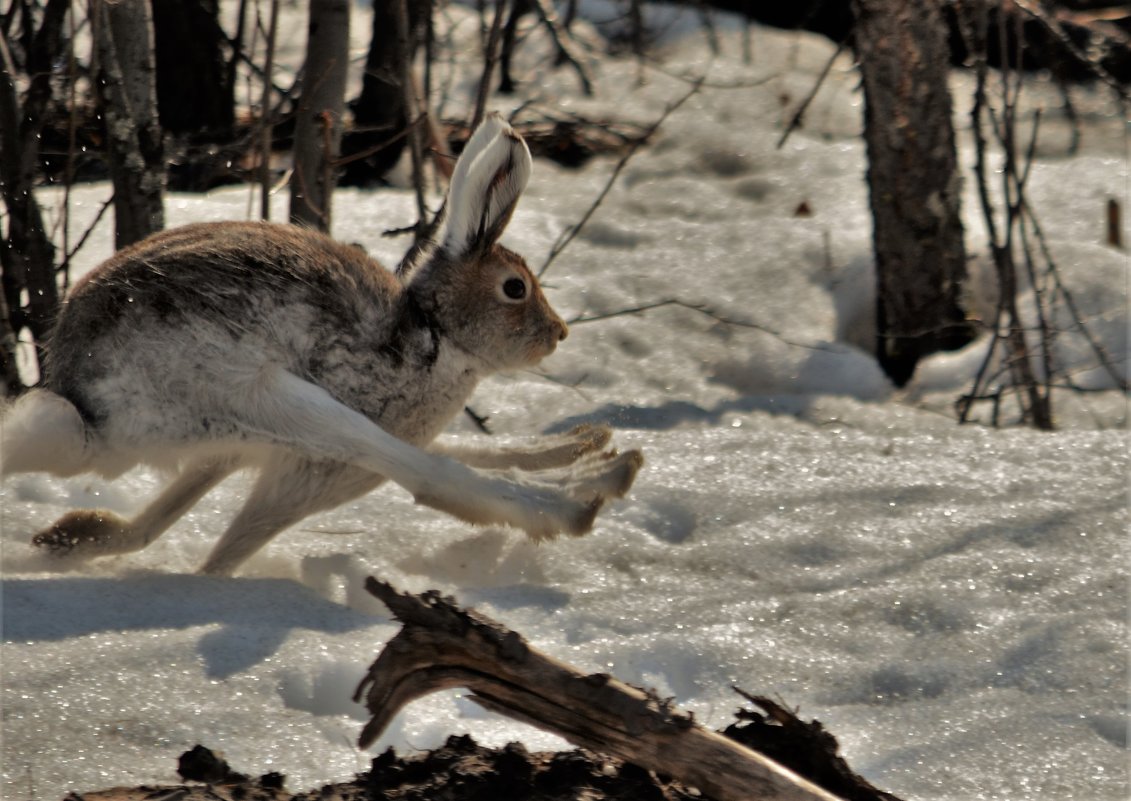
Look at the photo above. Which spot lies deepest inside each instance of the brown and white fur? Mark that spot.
(221, 346)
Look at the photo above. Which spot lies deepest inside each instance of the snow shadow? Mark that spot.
(776, 381)
(255, 615)
(677, 412)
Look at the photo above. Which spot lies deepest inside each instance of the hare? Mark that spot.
(221, 346)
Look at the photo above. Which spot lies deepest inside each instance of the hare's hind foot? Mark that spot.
(86, 533)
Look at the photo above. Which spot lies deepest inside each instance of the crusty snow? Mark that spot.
(950, 601)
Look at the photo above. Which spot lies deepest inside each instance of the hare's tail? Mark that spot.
(43, 432)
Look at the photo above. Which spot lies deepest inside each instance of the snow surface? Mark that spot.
(950, 601)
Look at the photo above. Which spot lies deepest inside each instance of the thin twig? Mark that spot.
(795, 121)
(695, 307)
(1024, 383)
(1091, 64)
(265, 114)
(72, 148)
(369, 151)
(568, 235)
(707, 21)
(657, 66)
(490, 59)
(564, 42)
(1078, 319)
(65, 266)
(478, 420)
(1047, 335)
(412, 108)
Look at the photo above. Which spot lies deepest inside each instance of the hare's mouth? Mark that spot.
(517, 356)
(540, 350)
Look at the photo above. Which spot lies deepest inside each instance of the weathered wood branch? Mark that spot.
(443, 646)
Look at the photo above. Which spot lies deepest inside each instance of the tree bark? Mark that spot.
(195, 88)
(27, 256)
(914, 183)
(443, 646)
(380, 112)
(123, 40)
(318, 127)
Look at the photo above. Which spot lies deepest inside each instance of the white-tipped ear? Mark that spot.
(488, 179)
(491, 127)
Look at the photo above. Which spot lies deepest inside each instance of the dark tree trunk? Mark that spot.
(914, 183)
(379, 114)
(27, 256)
(318, 126)
(507, 84)
(123, 37)
(195, 90)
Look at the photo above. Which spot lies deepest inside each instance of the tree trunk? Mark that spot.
(318, 128)
(380, 114)
(195, 89)
(27, 256)
(914, 183)
(123, 40)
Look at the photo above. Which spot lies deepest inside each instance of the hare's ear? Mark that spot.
(489, 177)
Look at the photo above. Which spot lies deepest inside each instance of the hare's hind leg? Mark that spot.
(289, 488)
(86, 533)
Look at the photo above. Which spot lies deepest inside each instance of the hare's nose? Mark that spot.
(563, 329)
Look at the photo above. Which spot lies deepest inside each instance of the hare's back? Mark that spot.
(214, 268)
(212, 296)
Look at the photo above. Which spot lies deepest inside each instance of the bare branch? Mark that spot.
(412, 107)
(565, 44)
(265, 115)
(571, 232)
(795, 121)
(1008, 333)
(657, 66)
(490, 59)
(695, 307)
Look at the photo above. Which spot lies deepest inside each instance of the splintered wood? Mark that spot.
(443, 646)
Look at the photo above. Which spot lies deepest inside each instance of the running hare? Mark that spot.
(219, 346)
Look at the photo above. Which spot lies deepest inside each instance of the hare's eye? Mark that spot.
(514, 288)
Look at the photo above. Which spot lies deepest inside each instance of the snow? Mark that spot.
(950, 601)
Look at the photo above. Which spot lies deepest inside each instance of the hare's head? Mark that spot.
(483, 295)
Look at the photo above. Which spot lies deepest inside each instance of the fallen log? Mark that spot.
(442, 646)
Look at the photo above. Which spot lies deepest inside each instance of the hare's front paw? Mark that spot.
(581, 491)
(81, 533)
(609, 474)
(587, 438)
(544, 503)
(561, 450)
